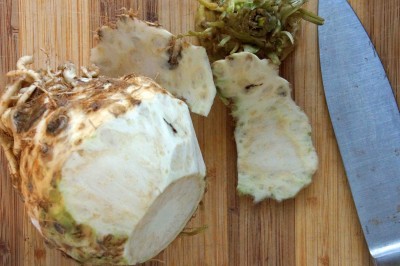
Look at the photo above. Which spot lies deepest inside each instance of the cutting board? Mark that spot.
(318, 227)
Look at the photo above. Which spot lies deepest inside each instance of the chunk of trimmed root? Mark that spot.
(276, 157)
(135, 46)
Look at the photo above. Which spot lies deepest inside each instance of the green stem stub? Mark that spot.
(269, 26)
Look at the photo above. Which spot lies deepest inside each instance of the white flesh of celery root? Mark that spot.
(276, 157)
(110, 169)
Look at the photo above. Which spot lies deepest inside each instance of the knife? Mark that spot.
(366, 121)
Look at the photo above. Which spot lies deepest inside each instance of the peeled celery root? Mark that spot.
(110, 169)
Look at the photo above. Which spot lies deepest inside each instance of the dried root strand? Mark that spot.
(69, 73)
(23, 70)
(50, 82)
(5, 122)
(131, 12)
(17, 147)
(58, 87)
(90, 72)
(7, 144)
(52, 74)
(31, 76)
(8, 94)
(24, 61)
(13, 91)
(27, 94)
(49, 96)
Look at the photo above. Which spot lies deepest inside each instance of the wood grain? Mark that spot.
(318, 227)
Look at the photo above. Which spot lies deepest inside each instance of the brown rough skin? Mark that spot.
(39, 110)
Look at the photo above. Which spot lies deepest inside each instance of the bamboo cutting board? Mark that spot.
(318, 227)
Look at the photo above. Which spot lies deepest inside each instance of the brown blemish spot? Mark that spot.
(81, 231)
(44, 148)
(181, 98)
(94, 106)
(81, 126)
(44, 205)
(134, 101)
(25, 117)
(250, 86)
(281, 91)
(249, 57)
(175, 53)
(59, 228)
(46, 151)
(78, 142)
(117, 110)
(29, 186)
(56, 125)
(39, 253)
(53, 181)
(132, 79)
(111, 242)
(100, 34)
(49, 243)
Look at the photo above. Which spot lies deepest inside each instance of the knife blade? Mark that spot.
(366, 122)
